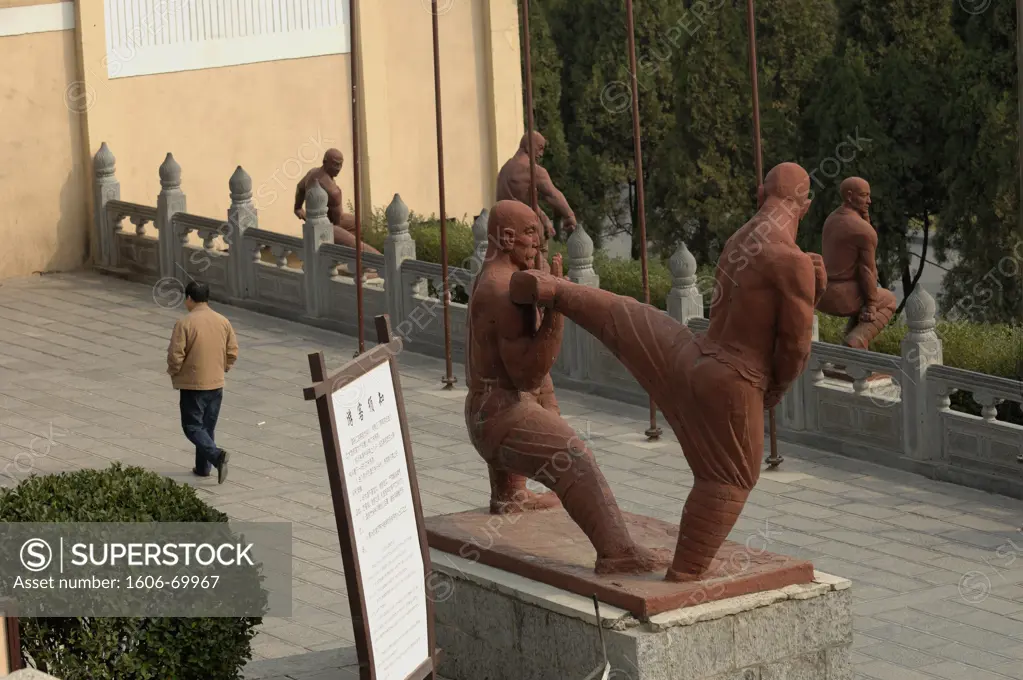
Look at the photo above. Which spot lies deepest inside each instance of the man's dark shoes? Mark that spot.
(222, 466)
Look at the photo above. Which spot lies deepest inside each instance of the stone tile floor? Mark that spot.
(937, 569)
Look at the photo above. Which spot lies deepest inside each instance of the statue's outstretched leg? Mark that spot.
(716, 413)
(343, 237)
(642, 337)
(545, 448)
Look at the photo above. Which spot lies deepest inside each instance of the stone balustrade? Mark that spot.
(906, 422)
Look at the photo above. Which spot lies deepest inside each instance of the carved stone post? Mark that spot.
(240, 216)
(479, 238)
(684, 298)
(171, 200)
(106, 189)
(577, 346)
(921, 348)
(316, 231)
(398, 247)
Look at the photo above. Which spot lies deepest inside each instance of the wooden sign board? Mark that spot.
(10, 642)
(378, 511)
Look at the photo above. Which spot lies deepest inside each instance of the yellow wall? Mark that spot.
(43, 219)
(275, 119)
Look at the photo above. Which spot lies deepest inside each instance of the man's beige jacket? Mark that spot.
(202, 348)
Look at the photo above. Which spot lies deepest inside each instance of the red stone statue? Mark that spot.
(713, 388)
(513, 185)
(849, 251)
(344, 223)
(511, 413)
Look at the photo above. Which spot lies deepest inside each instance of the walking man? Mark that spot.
(202, 349)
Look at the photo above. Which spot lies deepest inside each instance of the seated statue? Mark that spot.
(849, 249)
(713, 388)
(511, 413)
(513, 185)
(344, 223)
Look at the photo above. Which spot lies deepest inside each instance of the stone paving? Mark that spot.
(938, 579)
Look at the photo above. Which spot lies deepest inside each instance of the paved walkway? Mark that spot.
(937, 569)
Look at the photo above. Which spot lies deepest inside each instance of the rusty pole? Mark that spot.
(653, 432)
(357, 170)
(449, 378)
(530, 126)
(774, 460)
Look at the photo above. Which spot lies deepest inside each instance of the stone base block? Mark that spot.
(547, 546)
(493, 625)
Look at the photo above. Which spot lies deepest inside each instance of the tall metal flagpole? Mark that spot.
(653, 432)
(357, 169)
(774, 460)
(449, 378)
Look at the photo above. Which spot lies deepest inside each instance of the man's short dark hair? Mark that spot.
(197, 292)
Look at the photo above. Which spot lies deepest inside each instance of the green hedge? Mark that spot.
(125, 648)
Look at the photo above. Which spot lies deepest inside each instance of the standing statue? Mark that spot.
(513, 185)
(713, 388)
(344, 223)
(511, 413)
(849, 251)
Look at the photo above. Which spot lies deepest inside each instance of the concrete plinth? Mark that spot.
(494, 625)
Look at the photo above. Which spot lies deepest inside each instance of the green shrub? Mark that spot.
(125, 648)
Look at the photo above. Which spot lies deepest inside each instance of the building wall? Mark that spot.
(43, 220)
(275, 119)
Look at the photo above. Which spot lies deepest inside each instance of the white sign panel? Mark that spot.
(383, 523)
(163, 36)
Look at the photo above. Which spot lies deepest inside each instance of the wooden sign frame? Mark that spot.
(10, 638)
(322, 392)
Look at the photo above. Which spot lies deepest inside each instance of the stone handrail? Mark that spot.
(336, 253)
(907, 425)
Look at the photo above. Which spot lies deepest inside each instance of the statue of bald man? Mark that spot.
(513, 185)
(850, 250)
(713, 388)
(344, 223)
(510, 411)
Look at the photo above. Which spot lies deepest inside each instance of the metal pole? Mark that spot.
(448, 379)
(1019, 99)
(774, 460)
(530, 126)
(653, 432)
(357, 165)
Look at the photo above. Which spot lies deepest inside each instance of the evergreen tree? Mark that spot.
(981, 212)
(709, 176)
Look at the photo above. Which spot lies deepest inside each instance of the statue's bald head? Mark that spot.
(856, 195)
(507, 214)
(332, 162)
(788, 182)
(785, 194)
(513, 231)
(854, 184)
(539, 144)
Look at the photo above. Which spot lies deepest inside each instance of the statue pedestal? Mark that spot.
(768, 615)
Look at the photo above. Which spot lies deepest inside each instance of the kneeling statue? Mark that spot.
(511, 413)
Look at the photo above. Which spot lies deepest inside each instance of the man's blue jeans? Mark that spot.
(199, 412)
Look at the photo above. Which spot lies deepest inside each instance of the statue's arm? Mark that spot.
(796, 287)
(867, 269)
(552, 195)
(527, 358)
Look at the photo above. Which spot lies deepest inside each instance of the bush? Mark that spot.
(124, 648)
